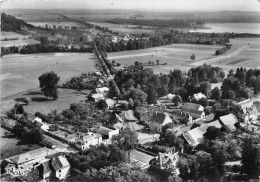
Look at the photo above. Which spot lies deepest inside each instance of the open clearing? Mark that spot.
(245, 52)
(21, 72)
(41, 103)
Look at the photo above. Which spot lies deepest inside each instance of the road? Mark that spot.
(250, 102)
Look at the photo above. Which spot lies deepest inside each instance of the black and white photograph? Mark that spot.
(130, 90)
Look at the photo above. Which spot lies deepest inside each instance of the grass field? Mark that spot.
(57, 23)
(10, 43)
(21, 72)
(245, 52)
(175, 55)
(9, 35)
(11, 146)
(41, 103)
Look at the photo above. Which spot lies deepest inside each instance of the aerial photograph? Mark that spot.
(130, 91)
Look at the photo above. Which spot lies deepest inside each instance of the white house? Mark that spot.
(61, 166)
(195, 110)
(90, 139)
(158, 120)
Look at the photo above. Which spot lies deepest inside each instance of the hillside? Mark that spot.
(10, 23)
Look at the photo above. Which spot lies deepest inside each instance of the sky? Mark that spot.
(169, 5)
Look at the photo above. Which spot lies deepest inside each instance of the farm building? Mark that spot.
(193, 136)
(195, 110)
(229, 121)
(158, 120)
(107, 133)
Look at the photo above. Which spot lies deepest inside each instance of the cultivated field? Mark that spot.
(57, 23)
(245, 52)
(21, 72)
(175, 55)
(10, 43)
(10, 35)
(129, 29)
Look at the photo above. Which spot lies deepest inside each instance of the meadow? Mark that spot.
(18, 42)
(56, 23)
(177, 56)
(245, 52)
(21, 72)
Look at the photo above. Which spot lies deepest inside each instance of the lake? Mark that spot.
(253, 28)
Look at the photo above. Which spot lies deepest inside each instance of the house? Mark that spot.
(61, 167)
(128, 116)
(99, 83)
(102, 90)
(168, 162)
(95, 97)
(167, 97)
(24, 163)
(110, 103)
(229, 121)
(195, 110)
(107, 133)
(44, 169)
(251, 114)
(90, 139)
(193, 136)
(141, 159)
(198, 96)
(158, 120)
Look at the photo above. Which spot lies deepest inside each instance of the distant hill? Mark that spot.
(10, 23)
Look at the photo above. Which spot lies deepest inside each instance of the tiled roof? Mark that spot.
(159, 117)
(59, 163)
(229, 121)
(190, 106)
(197, 133)
(140, 156)
(103, 130)
(22, 158)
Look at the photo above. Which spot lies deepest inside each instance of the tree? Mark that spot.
(177, 100)
(251, 158)
(212, 133)
(44, 40)
(205, 88)
(204, 102)
(192, 57)
(137, 95)
(49, 84)
(27, 100)
(151, 95)
(113, 89)
(216, 94)
(102, 104)
(126, 140)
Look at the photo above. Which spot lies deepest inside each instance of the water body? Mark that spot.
(253, 28)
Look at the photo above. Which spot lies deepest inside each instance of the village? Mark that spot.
(185, 120)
